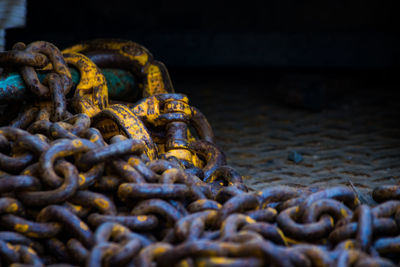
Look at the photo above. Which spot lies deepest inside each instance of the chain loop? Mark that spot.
(85, 182)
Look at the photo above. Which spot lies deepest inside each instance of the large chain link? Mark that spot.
(86, 182)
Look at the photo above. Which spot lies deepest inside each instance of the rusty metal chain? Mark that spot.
(86, 182)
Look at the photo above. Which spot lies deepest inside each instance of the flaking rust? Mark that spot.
(86, 182)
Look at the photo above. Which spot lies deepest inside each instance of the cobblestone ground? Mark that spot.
(356, 139)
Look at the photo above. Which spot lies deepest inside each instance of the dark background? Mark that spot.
(334, 34)
(280, 46)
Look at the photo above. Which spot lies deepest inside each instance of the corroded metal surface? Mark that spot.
(86, 182)
(357, 139)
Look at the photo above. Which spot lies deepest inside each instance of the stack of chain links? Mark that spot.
(87, 181)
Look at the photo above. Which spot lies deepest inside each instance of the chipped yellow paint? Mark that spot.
(221, 260)
(76, 207)
(178, 106)
(13, 207)
(161, 149)
(213, 214)
(125, 188)
(331, 221)
(118, 229)
(82, 179)
(137, 53)
(86, 105)
(108, 128)
(134, 51)
(75, 48)
(155, 83)
(290, 241)
(22, 228)
(94, 138)
(126, 167)
(159, 250)
(190, 136)
(64, 153)
(142, 218)
(92, 85)
(90, 75)
(133, 161)
(77, 143)
(343, 212)
(156, 80)
(356, 201)
(272, 210)
(83, 226)
(223, 225)
(59, 67)
(249, 220)
(149, 108)
(282, 235)
(196, 161)
(183, 154)
(348, 244)
(119, 119)
(155, 74)
(183, 263)
(31, 251)
(102, 203)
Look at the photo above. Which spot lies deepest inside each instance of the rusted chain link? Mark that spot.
(103, 185)
(170, 216)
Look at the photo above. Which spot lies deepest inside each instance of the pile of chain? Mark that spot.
(83, 182)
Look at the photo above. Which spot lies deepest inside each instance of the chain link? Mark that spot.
(83, 182)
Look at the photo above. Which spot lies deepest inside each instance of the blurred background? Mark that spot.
(285, 34)
(316, 77)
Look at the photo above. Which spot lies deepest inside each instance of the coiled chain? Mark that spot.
(83, 182)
